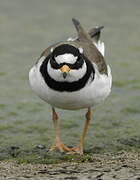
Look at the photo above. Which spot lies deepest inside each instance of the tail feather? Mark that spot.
(93, 36)
(82, 34)
(95, 32)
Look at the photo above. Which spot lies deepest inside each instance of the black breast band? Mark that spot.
(67, 86)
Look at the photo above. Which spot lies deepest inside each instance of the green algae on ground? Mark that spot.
(131, 110)
(41, 155)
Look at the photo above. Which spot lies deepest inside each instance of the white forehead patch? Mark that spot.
(66, 58)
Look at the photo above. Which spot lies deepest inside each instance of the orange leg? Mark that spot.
(58, 143)
(79, 148)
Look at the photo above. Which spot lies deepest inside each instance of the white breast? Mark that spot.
(89, 96)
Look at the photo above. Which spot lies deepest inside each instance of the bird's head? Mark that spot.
(66, 63)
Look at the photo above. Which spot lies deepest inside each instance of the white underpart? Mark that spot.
(91, 95)
(73, 75)
(69, 58)
(100, 46)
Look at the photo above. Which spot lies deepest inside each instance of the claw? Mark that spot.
(76, 150)
(60, 146)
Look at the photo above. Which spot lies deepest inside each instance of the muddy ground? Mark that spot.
(121, 166)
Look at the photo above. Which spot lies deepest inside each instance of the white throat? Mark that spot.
(73, 75)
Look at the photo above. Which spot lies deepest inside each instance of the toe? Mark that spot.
(77, 150)
(60, 146)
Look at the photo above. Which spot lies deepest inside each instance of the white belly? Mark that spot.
(88, 96)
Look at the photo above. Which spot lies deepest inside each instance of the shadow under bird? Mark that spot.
(73, 75)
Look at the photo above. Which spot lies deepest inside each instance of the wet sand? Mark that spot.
(120, 166)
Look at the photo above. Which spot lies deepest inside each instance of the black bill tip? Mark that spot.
(64, 75)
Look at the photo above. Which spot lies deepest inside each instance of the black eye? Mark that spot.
(53, 63)
(52, 60)
(79, 60)
(78, 64)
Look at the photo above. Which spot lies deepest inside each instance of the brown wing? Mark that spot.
(90, 50)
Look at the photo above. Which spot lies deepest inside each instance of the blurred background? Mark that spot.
(26, 29)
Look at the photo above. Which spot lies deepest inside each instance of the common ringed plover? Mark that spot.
(73, 75)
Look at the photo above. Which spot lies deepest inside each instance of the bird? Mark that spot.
(73, 75)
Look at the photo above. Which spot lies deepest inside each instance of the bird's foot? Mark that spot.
(76, 150)
(60, 146)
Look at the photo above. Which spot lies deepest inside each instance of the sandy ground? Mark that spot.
(122, 166)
